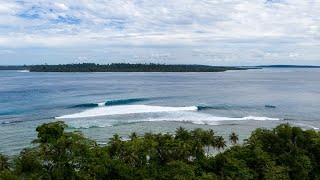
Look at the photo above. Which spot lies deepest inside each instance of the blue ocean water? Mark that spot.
(101, 104)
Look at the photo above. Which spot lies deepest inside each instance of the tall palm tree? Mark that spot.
(181, 150)
(148, 135)
(220, 143)
(208, 137)
(197, 135)
(233, 137)
(115, 139)
(213, 142)
(129, 154)
(4, 162)
(115, 145)
(133, 136)
(182, 133)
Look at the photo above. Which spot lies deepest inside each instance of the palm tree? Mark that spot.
(182, 133)
(133, 136)
(4, 162)
(115, 145)
(129, 155)
(213, 142)
(115, 139)
(181, 150)
(210, 138)
(233, 137)
(148, 135)
(220, 143)
(197, 135)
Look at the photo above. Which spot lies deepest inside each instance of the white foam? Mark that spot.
(306, 125)
(171, 114)
(125, 109)
(201, 118)
(84, 124)
(24, 71)
(101, 104)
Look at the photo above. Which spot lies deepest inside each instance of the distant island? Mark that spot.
(287, 66)
(147, 67)
(121, 67)
(14, 67)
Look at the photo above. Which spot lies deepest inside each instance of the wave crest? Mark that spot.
(110, 103)
(125, 109)
(88, 105)
(124, 101)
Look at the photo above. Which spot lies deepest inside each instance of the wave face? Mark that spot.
(211, 107)
(110, 103)
(125, 109)
(124, 101)
(88, 105)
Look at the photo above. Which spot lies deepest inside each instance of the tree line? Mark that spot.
(284, 152)
(24, 67)
(126, 67)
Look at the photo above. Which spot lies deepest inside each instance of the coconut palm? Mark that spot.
(181, 150)
(148, 135)
(130, 155)
(115, 144)
(220, 143)
(210, 135)
(233, 137)
(4, 162)
(197, 135)
(133, 136)
(182, 133)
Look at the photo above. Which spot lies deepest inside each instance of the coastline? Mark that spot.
(123, 67)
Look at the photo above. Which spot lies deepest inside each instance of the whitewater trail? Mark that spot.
(125, 109)
(188, 114)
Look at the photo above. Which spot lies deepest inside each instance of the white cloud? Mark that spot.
(61, 6)
(230, 28)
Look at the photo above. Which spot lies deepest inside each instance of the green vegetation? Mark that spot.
(14, 67)
(284, 152)
(124, 67)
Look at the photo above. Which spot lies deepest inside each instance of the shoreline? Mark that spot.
(124, 67)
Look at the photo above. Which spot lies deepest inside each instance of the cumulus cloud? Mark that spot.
(225, 31)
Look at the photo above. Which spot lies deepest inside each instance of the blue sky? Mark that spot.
(214, 32)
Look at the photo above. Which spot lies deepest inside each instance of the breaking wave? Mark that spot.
(24, 71)
(211, 107)
(110, 103)
(125, 109)
(128, 114)
(306, 125)
(88, 105)
(124, 101)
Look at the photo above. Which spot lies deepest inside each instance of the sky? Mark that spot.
(212, 32)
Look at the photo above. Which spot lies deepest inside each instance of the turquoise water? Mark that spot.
(101, 104)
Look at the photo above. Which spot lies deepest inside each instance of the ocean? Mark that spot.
(102, 104)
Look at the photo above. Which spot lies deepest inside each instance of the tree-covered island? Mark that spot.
(284, 152)
(123, 67)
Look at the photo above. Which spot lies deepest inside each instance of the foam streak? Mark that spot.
(125, 109)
